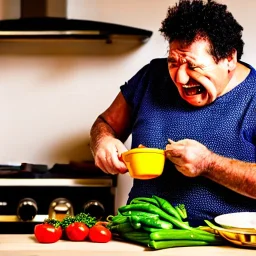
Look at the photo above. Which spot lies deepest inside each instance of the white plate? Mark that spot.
(237, 220)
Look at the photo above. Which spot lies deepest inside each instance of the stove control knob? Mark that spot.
(27, 209)
(94, 208)
(59, 208)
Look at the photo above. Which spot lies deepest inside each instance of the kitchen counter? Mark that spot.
(26, 245)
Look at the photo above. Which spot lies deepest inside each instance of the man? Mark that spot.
(201, 100)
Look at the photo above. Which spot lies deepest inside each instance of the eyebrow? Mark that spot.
(192, 63)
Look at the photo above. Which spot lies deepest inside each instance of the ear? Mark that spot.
(232, 60)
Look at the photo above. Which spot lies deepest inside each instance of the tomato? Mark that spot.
(99, 234)
(77, 231)
(47, 233)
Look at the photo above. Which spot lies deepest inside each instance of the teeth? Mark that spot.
(190, 86)
(191, 90)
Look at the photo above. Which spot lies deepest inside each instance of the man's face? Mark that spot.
(198, 78)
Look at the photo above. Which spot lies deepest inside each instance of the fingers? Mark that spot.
(175, 149)
(111, 165)
(188, 156)
(176, 143)
(109, 159)
(171, 141)
(141, 146)
(115, 164)
(175, 159)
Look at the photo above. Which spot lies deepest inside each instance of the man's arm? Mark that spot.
(234, 174)
(113, 122)
(193, 159)
(107, 135)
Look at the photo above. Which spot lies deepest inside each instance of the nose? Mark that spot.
(181, 76)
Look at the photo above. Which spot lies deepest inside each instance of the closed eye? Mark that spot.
(172, 63)
(192, 66)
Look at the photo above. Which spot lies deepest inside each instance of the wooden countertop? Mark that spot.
(26, 245)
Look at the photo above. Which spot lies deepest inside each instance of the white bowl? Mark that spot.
(241, 220)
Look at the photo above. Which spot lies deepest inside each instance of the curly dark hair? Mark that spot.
(190, 20)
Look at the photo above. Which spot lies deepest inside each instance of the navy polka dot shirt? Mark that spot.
(227, 127)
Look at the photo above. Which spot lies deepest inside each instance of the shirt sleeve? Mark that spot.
(134, 89)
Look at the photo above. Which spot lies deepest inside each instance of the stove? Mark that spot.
(30, 193)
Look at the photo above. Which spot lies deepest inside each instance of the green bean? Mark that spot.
(153, 209)
(135, 222)
(137, 237)
(121, 228)
(150, 229)
(180, 208)
(139, 200)
(140, 213)
(211, 225)
(167, 207)
(179, 234)
(156, 223)
(119, 219)
(177, 243)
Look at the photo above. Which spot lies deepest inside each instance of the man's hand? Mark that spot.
(107, 155)
(189, 156)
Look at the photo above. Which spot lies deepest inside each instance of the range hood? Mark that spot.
(47, 19)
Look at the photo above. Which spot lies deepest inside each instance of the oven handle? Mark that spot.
(91, 182)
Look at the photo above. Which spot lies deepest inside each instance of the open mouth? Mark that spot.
(191, 90)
